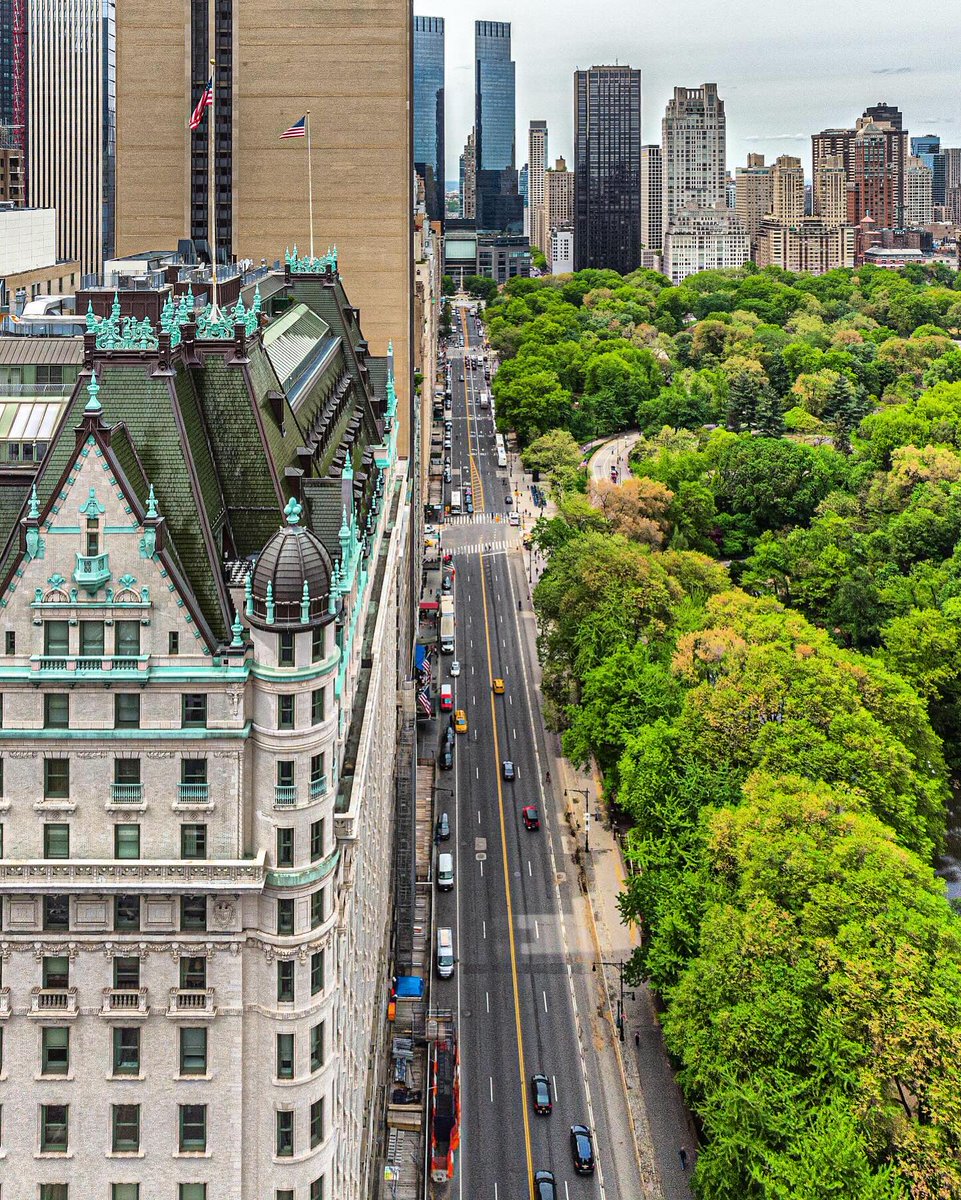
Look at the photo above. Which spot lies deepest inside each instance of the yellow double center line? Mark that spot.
(475, 477)
(507, 890)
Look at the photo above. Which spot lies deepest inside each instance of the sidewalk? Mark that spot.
(661, 1123)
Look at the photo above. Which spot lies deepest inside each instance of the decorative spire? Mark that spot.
(344, 534)
(152, 513)
(305, 605)
(115, 307)
(348, 472)
(93, 406)
(270, 602)
(293, 511)
(390, 354)
(237, 630)
(33, 508)
(249, 594)
(91, 317)
(258, 302)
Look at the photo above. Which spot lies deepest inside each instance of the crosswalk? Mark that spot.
(493, 546)
(476, 518)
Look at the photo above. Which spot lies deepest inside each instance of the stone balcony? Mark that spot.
(86, 664)
(163, 875)
(192, 1004)
(53, 1004)
(127, 1004)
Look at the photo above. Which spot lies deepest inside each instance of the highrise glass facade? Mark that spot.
(499, 206)
(429, 111)
(928, 149)
(6, 66)
(607, 166)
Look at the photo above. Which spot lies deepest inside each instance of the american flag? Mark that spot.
(426, 672)
(298, 129)
(205, 101)
(423, 699)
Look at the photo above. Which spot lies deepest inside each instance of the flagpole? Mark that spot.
(212, 189)
(310, 188)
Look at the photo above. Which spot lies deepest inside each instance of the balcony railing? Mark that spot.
(92, 571)
(285, 795)
(53, 1002)
(126, 793)
(89, 662)
(125, 1002)
(192, 1003)
(4, 1003)
(158, 875)
(318, 787)
(193, 793)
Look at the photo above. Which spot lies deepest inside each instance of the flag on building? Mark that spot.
(298, 129)
(423, 699)
(205, 101)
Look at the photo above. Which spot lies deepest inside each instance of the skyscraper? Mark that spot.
(607, 168)
(499, 207)
(468, 180)
(918, 178)
(652, 198)
(559, 196)
(928, 149)
(753, 199)
(536, 171)
(879, 158)
(429, 111)
(830, 198)
(72, 123)
(787, 190)
(693, 141)
(350, 66)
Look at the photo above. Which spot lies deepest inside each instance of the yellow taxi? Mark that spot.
(460, 721)
(498, 687)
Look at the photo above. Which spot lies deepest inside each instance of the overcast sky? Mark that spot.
(785, 68)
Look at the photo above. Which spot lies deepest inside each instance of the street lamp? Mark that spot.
(620, 1000)
(587, 815)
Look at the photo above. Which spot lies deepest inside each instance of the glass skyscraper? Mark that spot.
(499, 206)
(607, 166)
(429, 111)
(928, 149)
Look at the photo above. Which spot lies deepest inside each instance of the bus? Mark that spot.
(501, 449)
(485, 400)
(455, 502)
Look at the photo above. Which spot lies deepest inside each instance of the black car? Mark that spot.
(541, 1094)
(544, 1186)
(508, 500)
(508, 769)
(582, 1150)
(442, 831)
(447, 757)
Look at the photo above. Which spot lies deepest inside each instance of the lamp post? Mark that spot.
(587, 815)
(620, 1000)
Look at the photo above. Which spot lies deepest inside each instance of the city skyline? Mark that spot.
(841, 64)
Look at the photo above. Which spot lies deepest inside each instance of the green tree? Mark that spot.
(551, 452)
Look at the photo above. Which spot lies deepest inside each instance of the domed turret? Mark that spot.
(290, 582)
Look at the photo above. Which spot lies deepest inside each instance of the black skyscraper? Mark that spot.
(499, 206)
(429, 111)
(607, 165)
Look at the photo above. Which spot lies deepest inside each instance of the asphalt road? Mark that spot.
(522, 988)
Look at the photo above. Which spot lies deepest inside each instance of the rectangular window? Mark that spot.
(126, 770)
(91, 639)
(285, 916)
(126, 710)
(317, 1189)
(317, 643)
(193, 1127)
(193, 841)
(316, 706)
(93, 536)
(56, 840)
(316, 840)
(316, 1123)
(317, 1047)
(285, 847)
(285, 1133)
(55, 971)
(317, 909)
(193, 913)
(56, 912)
(126, 1050)
(286, 649)
(55, 1050)
(127, 639)
(126, 1128)
(10, 641)
(126, 841)
(191, 1191)
(285, 1056)
(125, 1191)
(126, 913)
(126, 972)
(193, 770)
(56, 778)
(316, 772)
(285, 773)
(193, 1051)
(193, 974)
(316, 972)
(53, 1128)
(285, 712)
(284, 1194)
(285, 980)
(56, 639)
(56, 710)
(193, 710)
(173, 642)
(53, 1191)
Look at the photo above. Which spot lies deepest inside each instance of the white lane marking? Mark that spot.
(491, 1078)
(478, 816)
(544, 994)
(554, 1086)
(487, 998)
(485, 930)
(567, 1195)
(510, 700)
(530, 873)
(513, 733)
(495, 1190)
(537, 931)
(481, 864)
(477, 772)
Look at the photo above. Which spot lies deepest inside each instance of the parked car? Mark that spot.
(442, 829)
(446, 698)
(541, 1094)
(582, 1150)
(447, 756)
(508, 767)
(455, 668)
(532, 819)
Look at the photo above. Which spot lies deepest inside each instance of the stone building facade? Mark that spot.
(199, 604)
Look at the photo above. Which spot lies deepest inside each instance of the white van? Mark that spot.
(445, 872)
(445, 953)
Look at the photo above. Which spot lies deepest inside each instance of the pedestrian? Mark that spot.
(547, 776)
(637, 1039)
(682, 1155)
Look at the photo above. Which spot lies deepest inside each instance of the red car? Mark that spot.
(446, 698)
(531, 817)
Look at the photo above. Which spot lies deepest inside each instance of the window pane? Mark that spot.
(56, 971)
(286, 651)
(56, 711)
(56, 778)
(317, 644)
(56, 637)
(285, 1134)
(285, 773)
(316, 1123)
(193, 1127)
(285, 980)
(316, 972)
(317, 706)
(126, 912)
(193, 973)
(317, 909)
(126, 841)
(285, 847)
(126, 711)
(126, 1127)
(316, 768)
(126, 1051)
(55, 1050)
(126, 770)
(127, 638)
(317, 1189)
(285, 712)
(316, 840)
(193, 770)
(91, 639)
(193, 912)
(173, 642)
(285, 1056)
(194, 711)
(317, 1047)
(56, 841)
(285, 916)
(126, 972)
(192, 1191)
(53, 1191)
(125, 1191)
(56, 912)
(193, 1051)
(53, 1128)
(193, 841)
